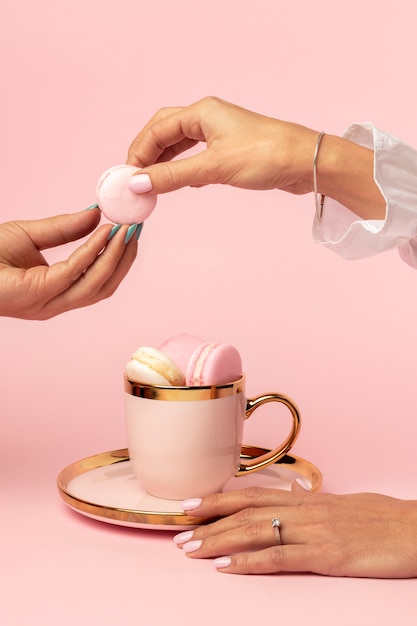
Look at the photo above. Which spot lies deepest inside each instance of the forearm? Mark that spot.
(369, 177)
(354, 222)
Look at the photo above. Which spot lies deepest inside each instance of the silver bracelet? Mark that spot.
(319, 201)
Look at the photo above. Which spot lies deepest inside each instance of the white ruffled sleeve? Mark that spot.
(395, 173)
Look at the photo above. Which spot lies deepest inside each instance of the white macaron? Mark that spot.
(149, 366)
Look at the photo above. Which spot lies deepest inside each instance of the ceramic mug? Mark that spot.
(186, 442)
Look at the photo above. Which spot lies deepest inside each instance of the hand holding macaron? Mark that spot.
(185, 360)
(30, 288)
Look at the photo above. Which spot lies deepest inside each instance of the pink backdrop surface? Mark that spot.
(79, 79)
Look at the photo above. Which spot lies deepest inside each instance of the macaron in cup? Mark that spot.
(190, 360)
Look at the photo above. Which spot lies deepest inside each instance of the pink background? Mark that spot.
(79, 79)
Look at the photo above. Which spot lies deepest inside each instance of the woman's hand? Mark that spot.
(31, 289)
(361, 535)
(252, 151)
(244, 149)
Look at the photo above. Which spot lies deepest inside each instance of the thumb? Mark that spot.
(194, 171)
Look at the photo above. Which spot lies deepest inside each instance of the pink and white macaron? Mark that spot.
(118, 203)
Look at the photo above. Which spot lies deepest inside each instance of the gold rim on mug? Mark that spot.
(183, 394)
(157, 518)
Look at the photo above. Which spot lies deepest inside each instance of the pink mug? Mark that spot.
(186, 442)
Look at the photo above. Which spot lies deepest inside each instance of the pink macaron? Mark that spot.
(180, 348)
(118, 203)
(213, 364)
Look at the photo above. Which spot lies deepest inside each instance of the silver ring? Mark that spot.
(276, 525)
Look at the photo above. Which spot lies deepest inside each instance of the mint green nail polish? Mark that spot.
(139, 230)
(113, 231)
(130, 232)
(93, 206)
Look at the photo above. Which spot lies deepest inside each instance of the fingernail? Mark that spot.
(192, 546)
(113, 231)
(223, 561)
(93, 206)
(183, 537)
(304, 483)
(139, 230)
(130, 232)
(140, 183)
(192, 503)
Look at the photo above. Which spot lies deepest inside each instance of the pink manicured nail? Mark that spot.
(140, 183)
(192, 503)
(184, 537)
(304, 483)
(192, 546)
(223, 561)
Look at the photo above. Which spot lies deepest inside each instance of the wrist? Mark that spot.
(292, 157)
(345, 172)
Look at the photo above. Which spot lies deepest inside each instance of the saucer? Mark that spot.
(104, 488)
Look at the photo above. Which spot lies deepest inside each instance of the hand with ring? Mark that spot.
(263, 531)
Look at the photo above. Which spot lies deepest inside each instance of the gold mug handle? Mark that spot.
(251, 465)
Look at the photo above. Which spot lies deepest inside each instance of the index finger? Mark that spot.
(170, 127)
(222, 504)
(135, 155)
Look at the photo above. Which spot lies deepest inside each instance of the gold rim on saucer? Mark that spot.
(145, 518)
